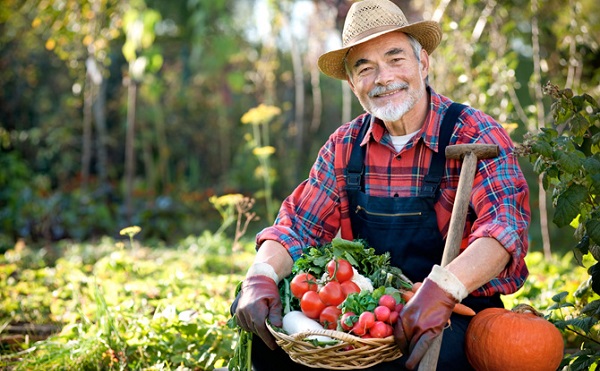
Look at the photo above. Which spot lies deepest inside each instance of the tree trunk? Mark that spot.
(322, 24)
(86, 148)
(145, 137)
(163, 175)
(102, 136)
(129, 149)
(539, 96)
(347, 102)
(299, 109)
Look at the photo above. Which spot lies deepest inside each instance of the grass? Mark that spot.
(122, 306)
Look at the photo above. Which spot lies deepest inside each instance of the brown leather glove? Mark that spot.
(422, 319)
(258, 299)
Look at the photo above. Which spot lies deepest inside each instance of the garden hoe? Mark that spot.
(470, 153)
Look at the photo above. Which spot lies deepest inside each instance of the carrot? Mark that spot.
(406, 295)
(463, 310)
(416, 286)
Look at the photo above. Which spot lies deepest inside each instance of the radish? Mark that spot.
(348, 320)
(295, 322)
(382, 313)
(380, 330)
(388, 301)
(366, 320)
(393, 318)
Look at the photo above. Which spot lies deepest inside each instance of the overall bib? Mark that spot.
(406, 227)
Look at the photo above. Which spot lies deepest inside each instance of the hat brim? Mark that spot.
(428, 33)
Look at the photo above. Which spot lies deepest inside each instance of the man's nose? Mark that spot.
(385, 75)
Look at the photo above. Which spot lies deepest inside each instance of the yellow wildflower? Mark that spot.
(510, 127)
(261, 114)
(263, 151)
(130, 231)
(226, 200)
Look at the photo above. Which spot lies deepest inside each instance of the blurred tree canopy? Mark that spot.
(116, 112)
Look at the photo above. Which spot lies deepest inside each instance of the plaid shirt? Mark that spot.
(318, 208)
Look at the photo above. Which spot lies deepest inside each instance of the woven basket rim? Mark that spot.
(336, 356)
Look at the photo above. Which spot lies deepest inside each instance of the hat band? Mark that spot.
(370, 32)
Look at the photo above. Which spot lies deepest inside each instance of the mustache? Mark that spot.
(378, 90)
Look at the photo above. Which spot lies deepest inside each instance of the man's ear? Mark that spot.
(424, 63)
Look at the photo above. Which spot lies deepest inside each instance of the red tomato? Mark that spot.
(348, 320)
(302, 283)
(388, 301)
(349, 287)
(382, 313)
(366, 320)
(311, 305)
(380, 330)
(340, 270)
(331, 293)
(329, 317)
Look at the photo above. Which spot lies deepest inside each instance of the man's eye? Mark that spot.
(365, 70)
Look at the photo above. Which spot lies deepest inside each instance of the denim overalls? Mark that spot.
(407, 228)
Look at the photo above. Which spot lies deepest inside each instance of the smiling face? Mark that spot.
(389, 80)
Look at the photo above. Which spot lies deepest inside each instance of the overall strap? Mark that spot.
(431, 182)
(355, 169)
(356, 166)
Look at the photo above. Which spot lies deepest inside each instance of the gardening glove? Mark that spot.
(258, 299)
(423, 318)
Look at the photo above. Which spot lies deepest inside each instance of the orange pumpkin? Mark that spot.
(498, 339)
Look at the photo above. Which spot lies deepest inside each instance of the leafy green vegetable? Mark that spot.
(385, 278)
(376, 267)
(242, 353)
(359, 302)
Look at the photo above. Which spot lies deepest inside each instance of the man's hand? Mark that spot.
(425, 315)
(258, 299)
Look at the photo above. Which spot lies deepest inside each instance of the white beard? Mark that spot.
(393, 111)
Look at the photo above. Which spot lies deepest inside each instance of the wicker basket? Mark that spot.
(350, 352)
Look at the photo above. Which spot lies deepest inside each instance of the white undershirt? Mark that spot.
(400, 141)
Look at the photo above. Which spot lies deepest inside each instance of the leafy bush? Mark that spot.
(568, 156)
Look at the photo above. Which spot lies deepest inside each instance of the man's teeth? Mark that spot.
(388, 93)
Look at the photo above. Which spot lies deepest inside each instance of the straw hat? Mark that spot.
(369, 19)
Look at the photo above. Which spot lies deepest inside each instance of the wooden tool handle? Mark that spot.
(458, 151)
(453, 241)
(460, 209)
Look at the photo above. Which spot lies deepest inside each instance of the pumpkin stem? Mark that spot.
(526, 308)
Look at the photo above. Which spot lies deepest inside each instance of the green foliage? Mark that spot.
(121, 307)
(568, 156)
(138, 48)
(546, 278)
(216, 61)
(125, 307)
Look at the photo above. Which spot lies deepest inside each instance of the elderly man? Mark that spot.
(383, 177)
